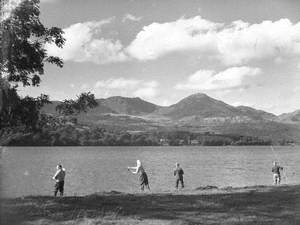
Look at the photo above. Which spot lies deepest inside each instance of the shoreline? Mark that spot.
(229, 145)
(204, 205)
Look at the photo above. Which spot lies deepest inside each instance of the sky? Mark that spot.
(242, 52)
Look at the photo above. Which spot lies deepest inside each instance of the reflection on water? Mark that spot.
(28, 170)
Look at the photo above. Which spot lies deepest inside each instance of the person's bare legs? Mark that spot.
(148, 187)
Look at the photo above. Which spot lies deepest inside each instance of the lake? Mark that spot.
(28, 170)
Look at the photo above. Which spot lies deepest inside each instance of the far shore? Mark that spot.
(127, 146)
(260, 205)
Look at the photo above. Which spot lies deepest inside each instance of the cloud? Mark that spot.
(83, 45)
(233, 44)
(117, 83)
(84, 87)
(130, 17)
(147, 90)
(232, 77)
(127, 87)
(157, 39)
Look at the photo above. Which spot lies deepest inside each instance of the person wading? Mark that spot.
(178, 173)
(59, 177)
(276, 173)
(143, 178)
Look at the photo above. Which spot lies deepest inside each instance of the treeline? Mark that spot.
(57, 131)
(177, 138)
(70, 135)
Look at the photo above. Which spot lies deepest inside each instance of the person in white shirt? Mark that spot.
(59, 177)
(143, 178)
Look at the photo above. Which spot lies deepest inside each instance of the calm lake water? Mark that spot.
(28, 170)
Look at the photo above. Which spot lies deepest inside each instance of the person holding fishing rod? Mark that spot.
(276, 173)
(59, 178)
(276, 169)
(143, 178)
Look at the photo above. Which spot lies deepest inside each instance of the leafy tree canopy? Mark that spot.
(23, 38)
(82, 104)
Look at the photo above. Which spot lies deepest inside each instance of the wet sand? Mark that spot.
(258, 205)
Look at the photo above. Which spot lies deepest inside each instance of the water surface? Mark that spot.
(28, 170)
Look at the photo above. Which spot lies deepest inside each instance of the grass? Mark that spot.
(251, 205)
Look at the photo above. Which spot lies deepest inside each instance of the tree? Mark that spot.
(22, 111)
(23, 39)
(84, 102)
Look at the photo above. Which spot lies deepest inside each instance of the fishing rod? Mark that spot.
(278, 159)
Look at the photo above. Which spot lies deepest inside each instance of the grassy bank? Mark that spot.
(250, 205)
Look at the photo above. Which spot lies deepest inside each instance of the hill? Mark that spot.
(199, 105)
(293, 117)
(130, 106)
(195, 113)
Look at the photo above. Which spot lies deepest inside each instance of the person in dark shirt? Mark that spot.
(59, 177)
(178, 173)
(276, 173)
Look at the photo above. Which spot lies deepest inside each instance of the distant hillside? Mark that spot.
(293, 117)
(196, 113)
(115, 104)
(199, 105)
(256, 114)
(131, 106)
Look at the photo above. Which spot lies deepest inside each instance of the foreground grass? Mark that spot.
(252, 205)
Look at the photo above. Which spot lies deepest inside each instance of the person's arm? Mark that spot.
(137, 170)
(133, 168)
(55, 175)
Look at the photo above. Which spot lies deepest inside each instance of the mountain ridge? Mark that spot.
(199, 104)
(197, 113)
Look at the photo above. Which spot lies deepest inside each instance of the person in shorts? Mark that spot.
(178, 173)
(276, 173)
(59, 178)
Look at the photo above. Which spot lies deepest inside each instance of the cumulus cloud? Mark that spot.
(117, 83)
(82, 44)
(232, 77)
(233, 44)
(127, 87)
(130, 17)
(158, 39)
(147, 90)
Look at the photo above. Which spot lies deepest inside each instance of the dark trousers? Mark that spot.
(59, 186)
(181, 181)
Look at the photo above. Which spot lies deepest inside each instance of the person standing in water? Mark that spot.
(276, 173)
(59, 177)
(143, 178)
(178, 173)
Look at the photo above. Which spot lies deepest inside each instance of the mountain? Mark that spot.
(293, 117)
(196, 113)
(256, 114)
(199, 105)
(115, 105)
(130, 106)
